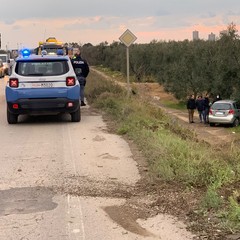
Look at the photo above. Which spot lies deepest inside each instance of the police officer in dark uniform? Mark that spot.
(81, 69)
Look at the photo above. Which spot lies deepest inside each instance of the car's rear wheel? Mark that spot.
(12, 118)
(76, 116)
(236, 122)
(212, 124)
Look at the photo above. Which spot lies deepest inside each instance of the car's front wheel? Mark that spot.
(212, 124)
(12, 118)
(76, 116)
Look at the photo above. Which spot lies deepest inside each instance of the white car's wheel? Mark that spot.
(236, 122)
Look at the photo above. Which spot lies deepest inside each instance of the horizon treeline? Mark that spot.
(182, 67)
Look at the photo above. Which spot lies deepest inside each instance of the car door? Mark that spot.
(238, 109)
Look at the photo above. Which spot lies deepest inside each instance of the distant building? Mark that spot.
(211, 37)
(195, 35)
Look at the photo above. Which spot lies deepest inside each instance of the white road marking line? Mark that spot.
(83, 237)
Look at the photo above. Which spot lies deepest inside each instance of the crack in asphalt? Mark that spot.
(87, 187)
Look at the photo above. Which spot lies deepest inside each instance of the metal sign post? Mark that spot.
(128, 84)
(128, 38)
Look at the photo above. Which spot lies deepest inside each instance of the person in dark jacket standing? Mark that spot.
(218, 97)
(200, 104)
(207, 106)
(191, 106)
(81, 70)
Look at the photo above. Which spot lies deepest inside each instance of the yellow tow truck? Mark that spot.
(52, 46)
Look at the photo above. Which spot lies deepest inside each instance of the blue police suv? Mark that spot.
(42, 84)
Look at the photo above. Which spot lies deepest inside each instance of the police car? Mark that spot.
(42, 84)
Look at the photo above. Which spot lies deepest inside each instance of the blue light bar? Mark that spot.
(60, 52)
(26, 52)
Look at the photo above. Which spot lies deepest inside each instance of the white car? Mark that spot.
(224, 112)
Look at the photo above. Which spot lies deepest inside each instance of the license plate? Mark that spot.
(219, 113)
(42, 85)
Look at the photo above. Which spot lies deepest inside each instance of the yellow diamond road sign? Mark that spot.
(128, 38)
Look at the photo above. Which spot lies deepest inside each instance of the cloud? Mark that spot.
(9, 21)
(98, 20)
(208, 15)
(233, 13)
(162, 12)
(16, 27)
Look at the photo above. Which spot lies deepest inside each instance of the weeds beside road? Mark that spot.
(190, 178)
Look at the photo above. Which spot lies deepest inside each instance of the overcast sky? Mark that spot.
(23, 23)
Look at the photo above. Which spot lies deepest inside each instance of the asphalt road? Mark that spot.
(62, 181)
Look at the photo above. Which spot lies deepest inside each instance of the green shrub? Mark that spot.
(212, 200)
(172, 152)
(234, 210)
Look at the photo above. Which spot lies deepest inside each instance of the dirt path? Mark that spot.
(217, 137)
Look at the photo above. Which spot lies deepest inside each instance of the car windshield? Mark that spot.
(42, 68)
(221, 106)
(52, 48)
